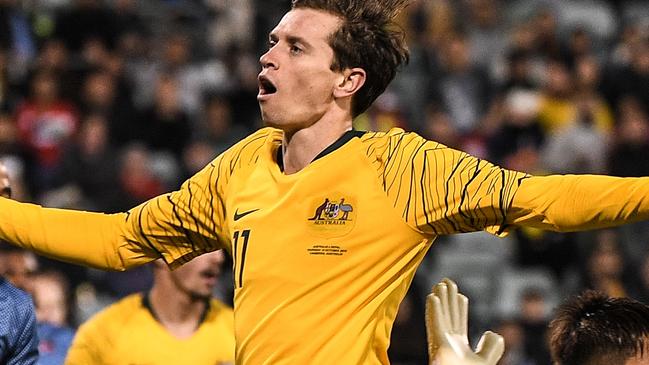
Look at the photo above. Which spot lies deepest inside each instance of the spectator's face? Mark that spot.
(94, 134)
(167, 99)
(45, 88)
(199, 276)
(5, 187)
(49, 299)
(19, 269)
(218, 117)
(558, 81)
(54, 55)
(606, 261)
(99, 90)
(177, 50)
(641, 58)
(296, 82)
(588, 72)
(458, 54)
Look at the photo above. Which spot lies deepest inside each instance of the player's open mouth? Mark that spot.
(266, 87)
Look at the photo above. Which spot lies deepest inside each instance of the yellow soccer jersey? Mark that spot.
(323, 257)
(126, 333)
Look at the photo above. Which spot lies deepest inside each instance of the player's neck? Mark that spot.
(300, 147)
(179, 313)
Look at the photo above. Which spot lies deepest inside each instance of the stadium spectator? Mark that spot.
(534, 322)
(19, 266)
(51, 296)
(514, 337)
(90, 166)
(606, 267)
(86, 21)
(462, 88)
(46, 123)
(167, 126)
(18, 337)
(105, 92)
(631, 144)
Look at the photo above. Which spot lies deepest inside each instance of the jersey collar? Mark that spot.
(146, 302)
(346, 137)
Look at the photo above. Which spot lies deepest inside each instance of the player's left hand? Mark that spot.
(447, 313)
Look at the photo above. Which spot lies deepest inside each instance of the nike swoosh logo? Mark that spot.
(238, 215)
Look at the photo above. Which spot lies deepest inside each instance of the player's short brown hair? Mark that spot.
(367, 38)
(594, 329)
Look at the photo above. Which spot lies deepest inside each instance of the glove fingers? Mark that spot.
(435, 324)
(463, 303)
(453, 305)
(431, 320)
(441, 291)
(491, 347)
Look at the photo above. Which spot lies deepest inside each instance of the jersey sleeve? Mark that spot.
(579, 202)
(186, 223)
(177, 226)
(192, 221)
(438, 190)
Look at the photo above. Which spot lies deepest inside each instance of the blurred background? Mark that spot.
(107, 103)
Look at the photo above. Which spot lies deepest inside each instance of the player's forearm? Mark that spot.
(578, 202)
(91, 239)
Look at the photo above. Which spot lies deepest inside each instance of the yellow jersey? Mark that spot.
(323, 257)
(126, 333)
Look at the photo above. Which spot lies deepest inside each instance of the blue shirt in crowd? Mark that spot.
(54, 342)
(18, 338)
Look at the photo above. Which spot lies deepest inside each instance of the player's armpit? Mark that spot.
(579, 202)
(92, 239)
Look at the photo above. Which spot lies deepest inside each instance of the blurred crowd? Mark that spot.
(107, 103)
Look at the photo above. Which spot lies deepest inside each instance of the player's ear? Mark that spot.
(351, 80)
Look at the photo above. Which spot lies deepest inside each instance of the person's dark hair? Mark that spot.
(367, 38)
(595, 329)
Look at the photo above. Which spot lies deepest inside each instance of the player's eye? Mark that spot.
(271, 43)
(296, 49)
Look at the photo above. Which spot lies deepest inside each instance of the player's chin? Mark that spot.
(203, 293)
(269, 117)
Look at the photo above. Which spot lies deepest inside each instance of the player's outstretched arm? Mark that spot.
(578, 202)
(91, 239)
(447, 313)
(176, 226)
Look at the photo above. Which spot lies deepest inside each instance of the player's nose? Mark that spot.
(268, 60)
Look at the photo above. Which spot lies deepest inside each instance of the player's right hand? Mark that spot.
(447, 313)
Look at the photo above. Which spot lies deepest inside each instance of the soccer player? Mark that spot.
(177, 322)
(447, 314)
(314, 285)
(18, 339)
(595, 329)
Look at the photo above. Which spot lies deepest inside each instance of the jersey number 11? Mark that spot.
(240, 258)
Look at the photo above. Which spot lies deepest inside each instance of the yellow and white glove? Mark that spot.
(447, 314)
